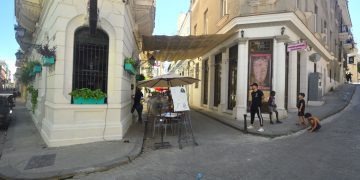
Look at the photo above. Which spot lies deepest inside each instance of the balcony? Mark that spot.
(344, 33)
(19, 63)
(349, 45)
(144, 13)
(27, 13)
(343, 36)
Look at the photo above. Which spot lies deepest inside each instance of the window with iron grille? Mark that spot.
(233, 60)
(90, 60)
(217, 79)
(206, 81)
(197, 75)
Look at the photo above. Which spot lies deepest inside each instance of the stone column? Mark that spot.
(304, 63)
(292, 81)
(211, 84)
(242, 79)
(224, 79)
(279, 73)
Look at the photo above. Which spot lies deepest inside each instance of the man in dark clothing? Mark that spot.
(137, 103)
(255, 107)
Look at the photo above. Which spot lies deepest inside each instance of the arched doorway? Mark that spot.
(90, 60)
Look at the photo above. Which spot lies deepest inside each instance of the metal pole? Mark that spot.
(245, 123)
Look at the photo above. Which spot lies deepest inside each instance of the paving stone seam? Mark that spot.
(81, 171)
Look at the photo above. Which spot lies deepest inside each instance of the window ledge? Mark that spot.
(222, 21)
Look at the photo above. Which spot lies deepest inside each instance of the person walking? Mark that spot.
(255, 107)
(137, 104)
(272, 107)
(301, 109)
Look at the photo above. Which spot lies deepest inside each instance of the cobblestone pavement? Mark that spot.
(224, 153)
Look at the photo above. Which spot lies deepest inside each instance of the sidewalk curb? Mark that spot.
(69, 173)
(278, 135)
(342, 108)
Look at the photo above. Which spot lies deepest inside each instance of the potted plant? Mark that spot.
(88, 96)
(130, 65)
(34, 95)
(26, 73)
(48, 54)
(31, 68)
(139, 77)
(37, 67)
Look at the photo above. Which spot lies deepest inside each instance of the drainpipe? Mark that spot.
(43, 108)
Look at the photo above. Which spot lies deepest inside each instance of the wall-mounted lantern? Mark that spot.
(283, 30)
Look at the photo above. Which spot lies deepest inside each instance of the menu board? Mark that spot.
(180, 99)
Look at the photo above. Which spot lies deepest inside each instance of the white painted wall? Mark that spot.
(266, 31)
(60, 122)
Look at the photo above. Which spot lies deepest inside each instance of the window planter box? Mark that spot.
(48, 61)
(139, 77)
(80, 100)
(130, 68)
(37, 69)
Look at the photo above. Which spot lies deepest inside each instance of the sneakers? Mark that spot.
(259, 130)
(250, 127)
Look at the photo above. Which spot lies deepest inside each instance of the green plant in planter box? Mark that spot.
(46, 51)
(34, 95)
(130, 60)
(86, 94)
(131, 65)
(49, 54)
(26, 70)
(134, 62)
(98, 94)
(140, 77)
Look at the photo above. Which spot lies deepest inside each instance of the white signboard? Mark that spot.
(297, 46)
(180, 99)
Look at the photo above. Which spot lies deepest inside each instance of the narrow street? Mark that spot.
(224, 153)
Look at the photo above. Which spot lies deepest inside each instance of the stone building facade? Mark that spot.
(66, 24)
(259, 51)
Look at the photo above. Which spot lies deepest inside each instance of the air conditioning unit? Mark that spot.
(315, 57)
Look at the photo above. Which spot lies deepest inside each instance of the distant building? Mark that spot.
(5, 75)
(353, 64)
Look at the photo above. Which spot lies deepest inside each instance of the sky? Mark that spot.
(8, 44)
(167, 12)
(354, 6)
(166, 16)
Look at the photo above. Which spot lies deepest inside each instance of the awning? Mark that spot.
(182, 47)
